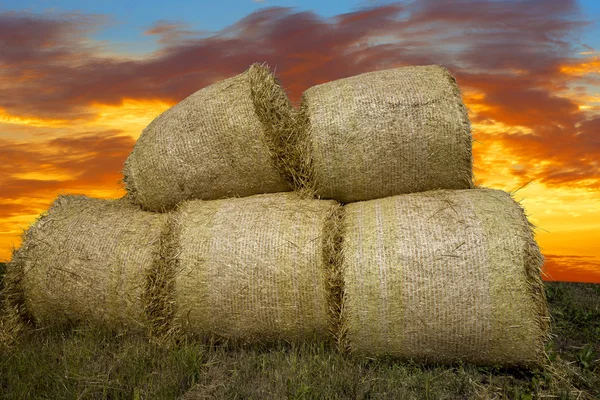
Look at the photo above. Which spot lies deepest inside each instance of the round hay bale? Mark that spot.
(86, 260)
(253, 269)
(383, 133)
(442, 276)
(222, 141)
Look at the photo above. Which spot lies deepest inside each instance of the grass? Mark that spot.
(81, 363)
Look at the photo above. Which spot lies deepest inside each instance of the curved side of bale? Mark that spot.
(213, 144)
(441, 276)
(85, 261)
(252, 269)
(384, 133)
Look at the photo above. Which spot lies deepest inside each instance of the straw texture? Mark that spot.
(219, 142)
(15, 320)
(383, 133)
(252, 269)
(86, 260)
(443, 275)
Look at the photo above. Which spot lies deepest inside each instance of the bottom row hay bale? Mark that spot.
(434, 276)
(251, 269)
(441, 276)
(86, 260)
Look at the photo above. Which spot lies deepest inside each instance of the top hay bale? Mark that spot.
(219, 142)
(383, 133)
(443, 275)
(86, 261)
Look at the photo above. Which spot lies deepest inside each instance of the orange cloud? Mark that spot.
(572, 268)
(78, 163)
(585, 67)
(6, 118)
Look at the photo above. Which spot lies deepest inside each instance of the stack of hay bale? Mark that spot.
(353, 219)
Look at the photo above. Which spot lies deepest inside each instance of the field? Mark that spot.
(82, 363)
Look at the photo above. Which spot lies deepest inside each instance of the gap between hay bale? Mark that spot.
(276, 114)
(441, 276)
(222, 141)
(382, 133)
(158, 298)
(333, 234)
(301, 158)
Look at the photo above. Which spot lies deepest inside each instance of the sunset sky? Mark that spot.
(79, 82)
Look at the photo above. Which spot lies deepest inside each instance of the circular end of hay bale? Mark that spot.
(84, 261)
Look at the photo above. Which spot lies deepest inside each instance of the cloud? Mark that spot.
(173, 32)
(572, 268)
(582, 68)
(78, 163)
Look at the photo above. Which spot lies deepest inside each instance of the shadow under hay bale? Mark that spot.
(86, 261)
(382, 133)
(252, 269)
(441, 276)
(222, 141)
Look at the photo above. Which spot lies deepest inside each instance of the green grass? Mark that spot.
(90, 364)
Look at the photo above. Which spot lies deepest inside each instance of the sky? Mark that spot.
(80, 80)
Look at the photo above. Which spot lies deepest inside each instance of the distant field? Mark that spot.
(89, 364)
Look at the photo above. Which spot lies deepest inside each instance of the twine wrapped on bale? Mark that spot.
(254, 269)
(382, 133)
(85, 261)
(222, 141)
(443, 275)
